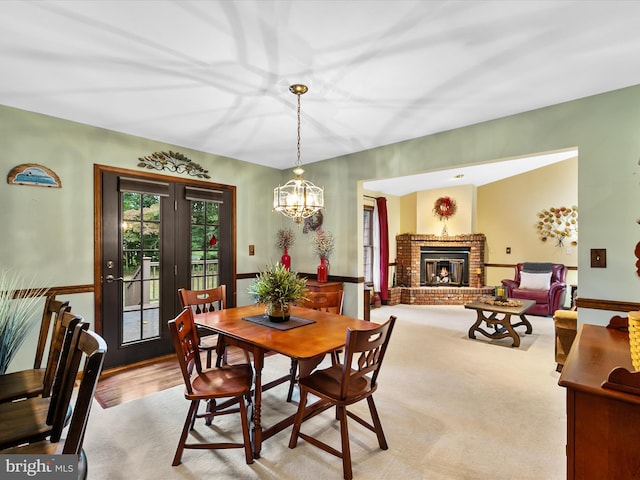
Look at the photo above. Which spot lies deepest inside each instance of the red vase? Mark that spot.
(323, 271)
(286, 259)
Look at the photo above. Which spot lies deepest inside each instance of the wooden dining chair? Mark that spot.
(37, 418)
(231, 382)
(31, 382)
(202, 301)
(93, 348)
(341, 385)
(324, 301)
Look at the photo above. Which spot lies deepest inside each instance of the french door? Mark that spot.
(157, 235)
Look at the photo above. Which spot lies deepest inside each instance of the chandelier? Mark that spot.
(298, 198)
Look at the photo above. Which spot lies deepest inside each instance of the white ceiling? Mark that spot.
(214, 75)
(476, 175)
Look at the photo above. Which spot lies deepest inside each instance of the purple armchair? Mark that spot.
(548, 300)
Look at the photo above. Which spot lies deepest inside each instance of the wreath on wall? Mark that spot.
(444, 208)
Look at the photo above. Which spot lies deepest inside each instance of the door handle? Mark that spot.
(111, 279)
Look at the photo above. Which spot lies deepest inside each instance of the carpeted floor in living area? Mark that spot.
(451, 408)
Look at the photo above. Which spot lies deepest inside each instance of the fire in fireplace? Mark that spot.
(444, 266)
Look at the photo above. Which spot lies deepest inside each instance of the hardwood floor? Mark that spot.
(123, 384)
(120, 385)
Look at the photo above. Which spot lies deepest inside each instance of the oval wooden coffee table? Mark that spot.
(502, 327)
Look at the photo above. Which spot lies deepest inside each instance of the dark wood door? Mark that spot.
(157, 236)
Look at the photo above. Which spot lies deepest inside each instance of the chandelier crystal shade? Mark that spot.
(298, 198)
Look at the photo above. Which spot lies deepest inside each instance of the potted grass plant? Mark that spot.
(18, 314)
(276, 288)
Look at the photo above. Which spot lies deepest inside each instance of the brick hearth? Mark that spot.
(442, 295)
(408, 270)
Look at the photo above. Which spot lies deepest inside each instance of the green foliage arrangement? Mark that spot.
(18, 314)
(278, 286)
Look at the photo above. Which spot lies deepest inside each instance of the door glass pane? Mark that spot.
(140, 267)
(204, 244)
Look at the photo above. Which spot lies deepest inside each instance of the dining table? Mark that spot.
(307, 337)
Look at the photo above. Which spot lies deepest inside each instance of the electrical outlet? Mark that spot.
(598, 258)
(252, 250)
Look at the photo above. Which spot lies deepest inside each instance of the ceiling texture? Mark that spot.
(214, 76)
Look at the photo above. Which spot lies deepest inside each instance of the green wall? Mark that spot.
(49, 232)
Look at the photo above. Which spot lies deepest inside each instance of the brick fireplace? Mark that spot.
(410, 276)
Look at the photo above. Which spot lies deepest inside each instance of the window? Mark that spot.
(367, 243)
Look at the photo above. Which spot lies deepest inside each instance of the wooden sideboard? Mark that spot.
(603, 424)
(316, 286)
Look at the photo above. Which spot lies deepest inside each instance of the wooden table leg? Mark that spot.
(506, 322)
(475, 326)
(256, 426)
(506, 329)
(524, 321)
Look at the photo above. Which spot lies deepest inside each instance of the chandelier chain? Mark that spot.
(298, 198)
(298, 95)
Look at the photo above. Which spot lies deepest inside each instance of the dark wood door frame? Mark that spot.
(98, 240)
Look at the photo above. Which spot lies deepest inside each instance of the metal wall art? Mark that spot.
(174, 162)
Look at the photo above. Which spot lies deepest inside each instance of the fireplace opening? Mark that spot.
(444, 266)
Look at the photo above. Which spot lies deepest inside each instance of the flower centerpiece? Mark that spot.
(443, 208)
(559, 223)
(323, 243)
(276, 288)
(284, 240)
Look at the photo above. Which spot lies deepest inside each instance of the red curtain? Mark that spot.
(381, 204)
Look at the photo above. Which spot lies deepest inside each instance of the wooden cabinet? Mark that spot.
(603, 424)
(314, 286)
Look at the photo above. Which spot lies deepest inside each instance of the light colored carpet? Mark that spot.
(451, 408)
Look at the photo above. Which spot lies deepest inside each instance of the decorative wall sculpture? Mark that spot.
(559, 224)
(174, 162)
